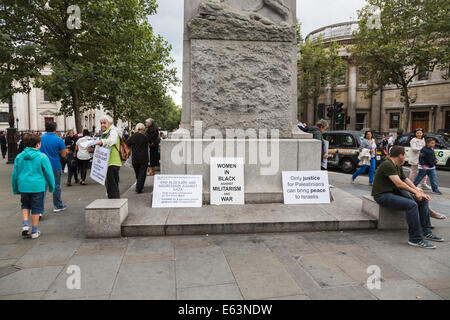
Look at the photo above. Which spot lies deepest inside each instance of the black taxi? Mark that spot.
(343, 149)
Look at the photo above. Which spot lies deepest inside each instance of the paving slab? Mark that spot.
(323, 269)
(98, 273)
(48, 254)
(298, 297)
(28, 280)
(7, 270)
(301, 277)
(261, 276)
(145, 281)
(102, 247)
(404, 290)
(25, 296)
(443, 293)
(6, 263)
(192, 241)
(17, 250)
(289, 243)
(340, 293)
(218, 292)
(142, 250)
(205, 266)
(232, 246)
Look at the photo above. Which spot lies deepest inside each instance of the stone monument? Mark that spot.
(240, 95)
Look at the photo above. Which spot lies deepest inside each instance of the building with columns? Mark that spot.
(33, 110)
(384, 111)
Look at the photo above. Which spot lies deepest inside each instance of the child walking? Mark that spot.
(32, 169)
(427, 165)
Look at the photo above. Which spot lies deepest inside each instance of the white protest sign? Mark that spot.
(100, 164)
(177, 191)
(227, 181)
(88, 142)
(306, 187)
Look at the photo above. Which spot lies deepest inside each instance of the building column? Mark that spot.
(33, 110)
(375, 112)
(352, 85)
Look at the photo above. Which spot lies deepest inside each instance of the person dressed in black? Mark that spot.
(138, 143)
(71, 141)
(3, 144)
(153, 136)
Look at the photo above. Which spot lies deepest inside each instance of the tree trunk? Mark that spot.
(406, 111)
(76, 109)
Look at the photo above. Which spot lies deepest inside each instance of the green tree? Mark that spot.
(405, 38)
(20, 62)
(110, 60)
(319, 65)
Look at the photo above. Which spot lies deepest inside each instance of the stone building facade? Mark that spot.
(33, 110)
(384, 111)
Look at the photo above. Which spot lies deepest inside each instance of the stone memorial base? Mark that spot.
(104, 218)
(388, 219)
(262, 170)
(143, 220)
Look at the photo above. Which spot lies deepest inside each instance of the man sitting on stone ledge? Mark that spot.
(392, 189)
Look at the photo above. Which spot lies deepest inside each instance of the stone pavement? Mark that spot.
(295, 266)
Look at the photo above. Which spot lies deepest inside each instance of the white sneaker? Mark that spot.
(60, 209)
(426, 187)
(25, 231)
(36, 235)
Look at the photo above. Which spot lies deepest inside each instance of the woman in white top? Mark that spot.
(417, 143)
(84, 156)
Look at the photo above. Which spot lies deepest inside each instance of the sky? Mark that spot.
(313, 14)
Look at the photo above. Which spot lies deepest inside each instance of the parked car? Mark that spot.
(344, 149)
(442, 148)
(444, 131)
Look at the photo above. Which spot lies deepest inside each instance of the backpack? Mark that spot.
(124, 150)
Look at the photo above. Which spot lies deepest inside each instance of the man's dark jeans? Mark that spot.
(112, 182)
(417, 214)
(140, 169)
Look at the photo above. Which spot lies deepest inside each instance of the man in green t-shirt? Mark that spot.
(390, 190)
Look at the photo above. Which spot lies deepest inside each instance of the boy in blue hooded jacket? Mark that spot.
(32, 169)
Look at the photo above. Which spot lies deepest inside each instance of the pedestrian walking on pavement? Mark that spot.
(55, 149)
(84, 156)
(317, 132)
(138, 143)
(427, 165)
(417, 144)
(153, 135)
(369, 146)
(111, 139)
(31, 172)
(72, 161)
(3, 144)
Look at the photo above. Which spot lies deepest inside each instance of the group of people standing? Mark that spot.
(78, 157)
(40, 165)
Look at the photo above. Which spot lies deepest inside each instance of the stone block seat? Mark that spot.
(104, 218)
(388, 219)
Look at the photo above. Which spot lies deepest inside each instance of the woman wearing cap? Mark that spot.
(138, 143)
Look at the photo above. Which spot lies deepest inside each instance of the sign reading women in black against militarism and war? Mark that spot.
(227, 181)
